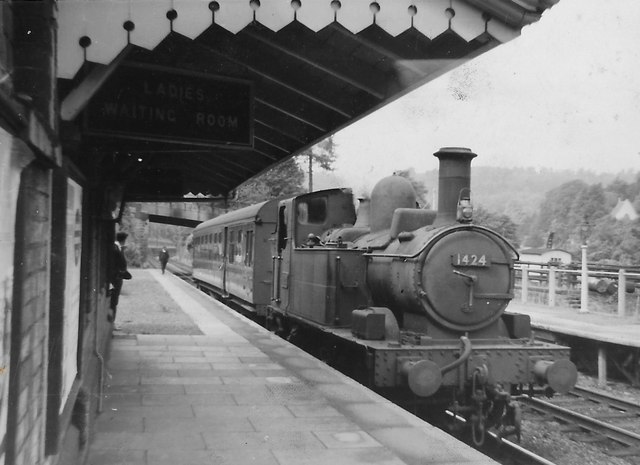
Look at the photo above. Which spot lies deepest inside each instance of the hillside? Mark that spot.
(517, 192)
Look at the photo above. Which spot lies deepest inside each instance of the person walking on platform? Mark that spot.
(117, 272)
(164, 258)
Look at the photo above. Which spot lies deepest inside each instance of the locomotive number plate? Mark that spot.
(470, 259)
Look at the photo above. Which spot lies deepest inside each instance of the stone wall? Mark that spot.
(30, 319)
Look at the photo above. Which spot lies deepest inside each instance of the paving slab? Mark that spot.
(238, 394)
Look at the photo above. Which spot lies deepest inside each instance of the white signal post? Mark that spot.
(584, 285)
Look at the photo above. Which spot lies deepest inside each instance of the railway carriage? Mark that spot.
(232, 255)
(414, 298)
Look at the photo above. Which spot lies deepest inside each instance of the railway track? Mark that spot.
(628, 408)
(505, 451)
(620, 442)
(596, 426)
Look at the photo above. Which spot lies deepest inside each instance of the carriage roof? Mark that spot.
(252, 213)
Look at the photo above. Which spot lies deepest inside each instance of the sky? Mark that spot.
(563, 95)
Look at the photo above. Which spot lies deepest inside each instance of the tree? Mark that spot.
(284, 179)
(620, 189)
(615, 242)
(564, 209)
(499, 223)
(322, 154)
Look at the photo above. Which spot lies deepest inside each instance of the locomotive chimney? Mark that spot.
(454, 179)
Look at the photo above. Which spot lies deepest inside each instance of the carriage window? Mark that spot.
(312, 211)
(214, 248)
(248, 248)
(231, 236)
(239, 250)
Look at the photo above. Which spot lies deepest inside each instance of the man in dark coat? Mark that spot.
(163, 256)
(117, 272)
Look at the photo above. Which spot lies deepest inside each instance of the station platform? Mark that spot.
(237, 394)
(600, 327)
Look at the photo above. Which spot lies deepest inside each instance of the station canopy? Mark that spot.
(171, 97)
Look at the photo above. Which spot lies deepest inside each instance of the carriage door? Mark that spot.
(281, 259)
(225, 260)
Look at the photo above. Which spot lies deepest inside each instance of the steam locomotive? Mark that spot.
(416, 297)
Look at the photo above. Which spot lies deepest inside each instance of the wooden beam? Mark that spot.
(81, 95)
(322, 68)
(280, 83)
(291, 115)
(174, 221)
(280, 131)
(377, 49)
(271, 144)
(266, 155)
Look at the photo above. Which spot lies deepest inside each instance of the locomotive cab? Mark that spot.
(317, 283)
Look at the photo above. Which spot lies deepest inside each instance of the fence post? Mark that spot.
(602, 367)
(551, 279)
(525, 284)
(584, 285)
(622, 292)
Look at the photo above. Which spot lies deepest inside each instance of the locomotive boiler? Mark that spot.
(415, 298)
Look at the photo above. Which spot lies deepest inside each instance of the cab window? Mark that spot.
(312, 211)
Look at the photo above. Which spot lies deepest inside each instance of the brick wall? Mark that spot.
(29, 326)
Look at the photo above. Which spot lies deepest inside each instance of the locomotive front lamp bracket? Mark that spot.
(464, 210)
(470, 281)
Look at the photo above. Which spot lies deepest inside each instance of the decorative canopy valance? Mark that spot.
(312, 67)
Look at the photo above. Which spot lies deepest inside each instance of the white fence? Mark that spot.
(610, 292)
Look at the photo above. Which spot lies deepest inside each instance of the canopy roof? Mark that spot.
(309, 67)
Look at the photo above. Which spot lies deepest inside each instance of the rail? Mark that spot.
(497, 447)
(615, 403)
(557, 286)
(586, 423)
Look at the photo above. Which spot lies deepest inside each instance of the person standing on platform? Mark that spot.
(117, 272)
(164, 258)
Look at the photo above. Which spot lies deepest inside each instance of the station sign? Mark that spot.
(147, 102)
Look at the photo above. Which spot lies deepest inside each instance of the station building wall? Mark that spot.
(29, 325)
(54, 335)
(54, 243)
